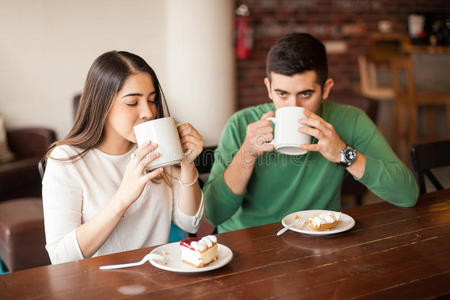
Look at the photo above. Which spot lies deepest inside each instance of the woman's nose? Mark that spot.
(146, 112)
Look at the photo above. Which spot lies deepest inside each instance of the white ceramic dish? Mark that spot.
(173, 262)
(345, 223)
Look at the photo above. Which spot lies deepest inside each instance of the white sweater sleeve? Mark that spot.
(62, 201)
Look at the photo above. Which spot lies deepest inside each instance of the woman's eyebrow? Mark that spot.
(132, 95)
(137, 94)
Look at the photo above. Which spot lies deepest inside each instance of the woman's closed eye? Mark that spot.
(135, 102)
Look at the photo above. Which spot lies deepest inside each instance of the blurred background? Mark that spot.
(210, 58)
(209, 55)
(47, 47)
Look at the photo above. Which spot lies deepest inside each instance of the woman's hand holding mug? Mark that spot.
(136, 177)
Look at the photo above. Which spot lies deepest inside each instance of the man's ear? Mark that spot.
(327, 88)
(267, 83)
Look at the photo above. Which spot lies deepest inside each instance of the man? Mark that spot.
(251, 184)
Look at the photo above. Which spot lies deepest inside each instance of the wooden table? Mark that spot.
(391, 252)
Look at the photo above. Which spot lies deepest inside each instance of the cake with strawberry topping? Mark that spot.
(199, 252)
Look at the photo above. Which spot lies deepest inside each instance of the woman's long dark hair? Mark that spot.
(104, 80)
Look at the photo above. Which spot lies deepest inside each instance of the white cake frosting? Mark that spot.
(204, 243)
(325, 218)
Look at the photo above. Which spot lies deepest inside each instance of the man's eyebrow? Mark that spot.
(301, 92)
(306, 91)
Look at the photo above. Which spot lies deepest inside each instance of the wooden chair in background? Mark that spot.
(425, 157)
(369, 83)
(408, 99)
(383, 95)
(375, 79)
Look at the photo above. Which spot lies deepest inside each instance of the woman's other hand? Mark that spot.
(190, 140)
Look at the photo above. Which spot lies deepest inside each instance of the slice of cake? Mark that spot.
(199, 252)
(324, 221)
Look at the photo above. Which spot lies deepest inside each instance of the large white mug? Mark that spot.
(162, 131)
(287, 139)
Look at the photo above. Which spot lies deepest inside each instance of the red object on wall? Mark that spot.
(243, 33)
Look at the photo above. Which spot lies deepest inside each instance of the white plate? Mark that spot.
(173, 263)
(345, 222)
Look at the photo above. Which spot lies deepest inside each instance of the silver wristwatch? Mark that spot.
(348, 156)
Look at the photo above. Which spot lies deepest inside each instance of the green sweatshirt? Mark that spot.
(281, 184)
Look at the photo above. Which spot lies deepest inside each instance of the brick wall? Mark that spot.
(350, 21)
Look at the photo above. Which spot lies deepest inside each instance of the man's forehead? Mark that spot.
(305, 80)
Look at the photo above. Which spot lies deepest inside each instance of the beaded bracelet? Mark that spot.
(190, 183)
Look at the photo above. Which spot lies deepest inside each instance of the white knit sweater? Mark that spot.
(73, 192)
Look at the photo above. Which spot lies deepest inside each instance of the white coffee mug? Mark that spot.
(287, 139)
(163, 132)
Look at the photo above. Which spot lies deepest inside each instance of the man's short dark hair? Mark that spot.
(297, 53)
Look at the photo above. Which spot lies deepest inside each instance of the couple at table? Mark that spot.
(98, 198)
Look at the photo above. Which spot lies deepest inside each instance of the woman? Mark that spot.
(98, 198)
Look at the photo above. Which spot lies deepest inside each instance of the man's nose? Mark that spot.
(291, 101)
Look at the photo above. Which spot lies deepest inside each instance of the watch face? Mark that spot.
(350, 154)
